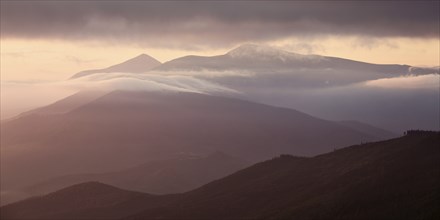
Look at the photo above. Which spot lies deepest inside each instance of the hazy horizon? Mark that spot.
(76, 36)
(185, 109)
(51, 40)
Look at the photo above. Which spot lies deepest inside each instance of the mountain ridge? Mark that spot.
(265, 54)
(356, 182)
(144, 63)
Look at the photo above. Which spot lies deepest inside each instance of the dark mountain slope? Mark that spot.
(91, 200)
(394, 179)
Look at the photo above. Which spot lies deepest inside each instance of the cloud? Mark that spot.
(193, 24)
(20, 96)
(430, 81)
(304, 48)
(127, 81)
(396, 104)
(147, 82)
(370, 43)
(80, 61)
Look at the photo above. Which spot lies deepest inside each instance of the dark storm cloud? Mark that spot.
(215, 23)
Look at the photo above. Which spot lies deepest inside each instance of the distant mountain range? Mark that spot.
(268, 67)
(266, 62)
(393, 179)
(327, 87)
(102, 133)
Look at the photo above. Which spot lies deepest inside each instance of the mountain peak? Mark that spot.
(253, 48)
(254, 51)
(139, 64)
(142, 56)
(88, 187)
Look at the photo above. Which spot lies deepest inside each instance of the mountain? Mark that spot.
(79, 202)
(327, 87)
(139, 64)
(176, 175)
(124, 129)
(267, 66)
(393, 179)
(264, 58)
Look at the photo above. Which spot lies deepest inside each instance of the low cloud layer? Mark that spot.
(18, 97)
(147, 82)
(414, 105)
(431, 81)
(215, 24)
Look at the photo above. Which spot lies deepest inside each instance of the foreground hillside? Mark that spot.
(394, 179)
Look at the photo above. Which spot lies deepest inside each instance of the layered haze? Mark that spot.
(185, 109)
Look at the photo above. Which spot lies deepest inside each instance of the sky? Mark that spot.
(52, 40)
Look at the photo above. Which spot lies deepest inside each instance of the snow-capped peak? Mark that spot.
(254, 51)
